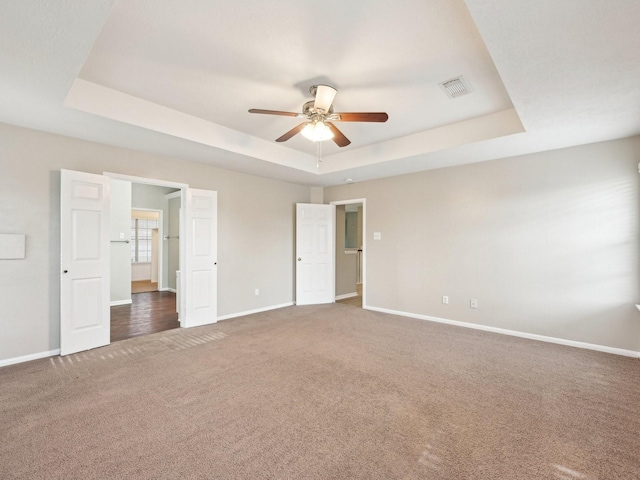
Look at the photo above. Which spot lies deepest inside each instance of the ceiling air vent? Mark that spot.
(456, 87)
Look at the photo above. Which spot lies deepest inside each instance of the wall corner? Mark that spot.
(317, 195)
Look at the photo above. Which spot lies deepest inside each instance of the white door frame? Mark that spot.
(167, 197)
(363, 201)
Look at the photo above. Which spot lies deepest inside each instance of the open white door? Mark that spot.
(201, 271)
(315, 253)
(84, 261)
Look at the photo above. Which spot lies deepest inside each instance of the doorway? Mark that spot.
(143, 285)
(350, 252)
(86, 232)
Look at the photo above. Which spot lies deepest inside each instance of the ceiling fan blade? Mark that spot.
(291, 133)
(362, 117)
(324, 98)
(273, 112)
(338, 136)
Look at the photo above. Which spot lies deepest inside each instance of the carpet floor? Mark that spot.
(322, 392)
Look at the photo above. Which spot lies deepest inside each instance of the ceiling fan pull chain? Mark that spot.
(318, 154)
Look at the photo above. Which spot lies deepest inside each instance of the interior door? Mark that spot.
(84, 261)
(315, 253)
(201, 271)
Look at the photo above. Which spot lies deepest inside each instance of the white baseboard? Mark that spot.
(172, 290)
(513, 333)
(346, 295)
(28, 358)
(257, 310)
(164, 289)
(502, 331)
(120, 302)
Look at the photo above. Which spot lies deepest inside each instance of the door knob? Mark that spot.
(65, 271)
(299, 259)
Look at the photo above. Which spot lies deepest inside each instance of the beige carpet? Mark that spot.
(323, 392)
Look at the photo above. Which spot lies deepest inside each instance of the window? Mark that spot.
(141, 239)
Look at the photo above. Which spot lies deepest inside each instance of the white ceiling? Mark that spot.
(177, 78)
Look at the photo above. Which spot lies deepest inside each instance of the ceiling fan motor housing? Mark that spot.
(309, 109)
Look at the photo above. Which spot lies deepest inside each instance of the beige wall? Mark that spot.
(149, 196)
(120, 220)
(548, 243)
(316, 195)
(255, 229)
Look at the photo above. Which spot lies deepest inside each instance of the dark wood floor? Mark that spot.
(149, 313)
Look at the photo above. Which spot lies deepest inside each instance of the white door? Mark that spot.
(201, 272)
(315, 253)
(84, 261)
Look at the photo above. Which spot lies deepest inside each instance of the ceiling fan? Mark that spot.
(319, 115)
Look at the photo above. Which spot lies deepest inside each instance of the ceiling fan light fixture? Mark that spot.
(317, 132)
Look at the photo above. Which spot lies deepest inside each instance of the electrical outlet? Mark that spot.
(377, 236)
(257, 292)
(121, 235)
(445, 300)
(474, 303)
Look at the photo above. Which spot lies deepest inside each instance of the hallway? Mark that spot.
(355, 301)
